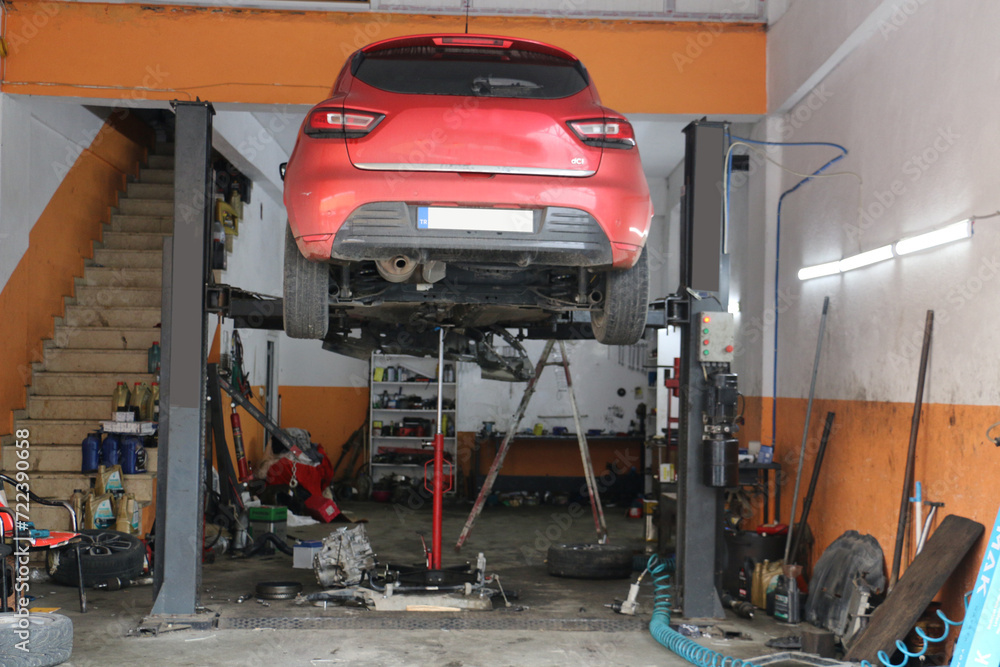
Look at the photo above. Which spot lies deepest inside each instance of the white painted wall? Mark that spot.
(915, 103)
(256, 143)
(40, 139)
(598, 372)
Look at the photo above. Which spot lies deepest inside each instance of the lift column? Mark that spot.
(180, 479)
(705, 270)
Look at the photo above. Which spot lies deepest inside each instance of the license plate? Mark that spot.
(475, 219)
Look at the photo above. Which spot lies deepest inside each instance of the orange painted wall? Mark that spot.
(58, 243)
(862, 477)
(277, 57)
(330, 414)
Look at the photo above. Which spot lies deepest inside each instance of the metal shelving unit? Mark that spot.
(401, 452)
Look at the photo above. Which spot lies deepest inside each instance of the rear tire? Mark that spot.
(306, 293)
(622, 319)
(50, 639)
(589, 561)
(104, 554)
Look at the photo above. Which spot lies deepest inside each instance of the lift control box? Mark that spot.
(716, 337)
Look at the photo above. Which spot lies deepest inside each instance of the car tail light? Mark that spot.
(462, 40)
(342, 123)
(604, 132)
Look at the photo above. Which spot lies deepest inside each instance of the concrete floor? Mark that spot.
(553, 622)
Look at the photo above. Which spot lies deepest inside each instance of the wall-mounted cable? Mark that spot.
(806, 178)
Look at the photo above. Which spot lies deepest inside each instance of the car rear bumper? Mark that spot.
(323, 192)
(561, 237)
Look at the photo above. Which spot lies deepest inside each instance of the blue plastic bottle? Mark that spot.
(91, 456)
(110, 450)
(131, 449)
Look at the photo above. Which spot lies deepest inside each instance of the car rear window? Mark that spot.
(431, 70)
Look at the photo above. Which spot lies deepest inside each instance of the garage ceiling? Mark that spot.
(726, 11)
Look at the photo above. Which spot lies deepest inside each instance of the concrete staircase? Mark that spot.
(103, 338)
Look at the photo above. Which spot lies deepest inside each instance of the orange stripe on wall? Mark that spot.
(861, 481)
(330, 414)
(278, 57)
(58, 243)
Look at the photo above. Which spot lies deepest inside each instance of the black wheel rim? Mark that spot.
(104, 543)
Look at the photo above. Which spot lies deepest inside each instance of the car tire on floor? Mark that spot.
(590, 561)
(47, 639)
(104, 555)
(622, 318)
(306, 293)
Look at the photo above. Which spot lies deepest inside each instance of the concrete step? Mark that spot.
(111, 277)
(142, 224)
(61, 485)
(164, 148)
(46, 383)
(123, 338)
(135, 206)
(118, 297)
(51, 518)
(95, 361)
(160, 161)
(95, 408)
(60, 458)
(134, 240)
(58, 431)
(156, 176)
(115, 318)
(160, 191)
(129, 259)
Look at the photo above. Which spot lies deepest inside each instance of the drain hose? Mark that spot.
(659, 624)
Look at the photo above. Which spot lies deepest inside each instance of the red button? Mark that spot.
(704, 342)
(729, 348)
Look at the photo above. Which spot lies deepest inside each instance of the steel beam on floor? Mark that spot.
(180, 478)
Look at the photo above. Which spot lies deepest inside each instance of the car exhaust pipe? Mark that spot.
(399, 269)
(596, 297)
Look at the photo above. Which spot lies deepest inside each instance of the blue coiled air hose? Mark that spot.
(659, 624)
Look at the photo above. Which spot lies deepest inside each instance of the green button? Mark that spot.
(704, 331)
(705, 353)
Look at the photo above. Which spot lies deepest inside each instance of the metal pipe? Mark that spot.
(438, 521)
(805, 429)
(588, 468)
(904, 505)
(807, 503)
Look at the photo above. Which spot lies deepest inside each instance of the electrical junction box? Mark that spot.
(716, 337)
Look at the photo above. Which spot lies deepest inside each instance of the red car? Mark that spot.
(465, 180)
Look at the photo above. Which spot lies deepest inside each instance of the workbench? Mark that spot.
(552, 462)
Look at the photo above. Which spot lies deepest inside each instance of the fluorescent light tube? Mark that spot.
(819, 270)
(866, 258)
(954, 232)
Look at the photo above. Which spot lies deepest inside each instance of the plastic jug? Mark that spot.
(132, 455)
(91, 456)
(110, 450)
(153, 357)
(155, 400)
(140, 393)
(120, 398)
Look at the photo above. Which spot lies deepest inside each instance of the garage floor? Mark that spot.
(553, 621)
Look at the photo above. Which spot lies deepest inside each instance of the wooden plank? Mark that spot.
(895, 617)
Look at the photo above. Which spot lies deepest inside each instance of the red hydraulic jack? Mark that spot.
(437, 487)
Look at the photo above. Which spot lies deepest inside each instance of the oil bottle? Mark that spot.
(120, 398)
